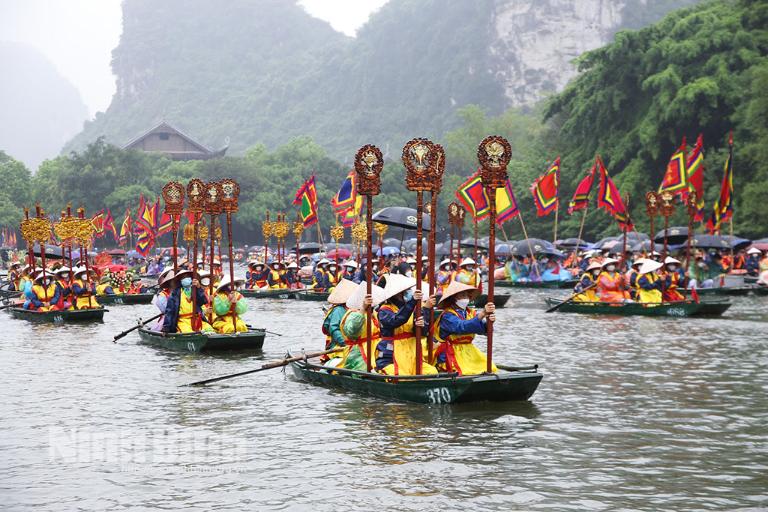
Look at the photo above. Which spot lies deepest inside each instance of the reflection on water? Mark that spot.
(633, 414)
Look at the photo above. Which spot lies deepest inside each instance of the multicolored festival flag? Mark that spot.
(346, 197)
(723, 210)
(583, 189)
(109, 225)
(350, 215)
(144, 241)
(306, 199)
(506, 204)
(675, 178)
(125, 228)
(544, 190)
(471, 194)
(694, 172)
(609, 198)
(166, 224)
(98, 224)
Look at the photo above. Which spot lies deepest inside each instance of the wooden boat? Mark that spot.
(312, 295)
(676, 309)
(253, 339)
(126, 298)
(270, 294)
(445, 388)
(731, 290)
(499, 300)
(59, 317)
(540, 285)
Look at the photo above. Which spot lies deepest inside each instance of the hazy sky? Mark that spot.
(78, 36)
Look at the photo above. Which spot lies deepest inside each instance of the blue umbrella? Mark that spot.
(388, 251)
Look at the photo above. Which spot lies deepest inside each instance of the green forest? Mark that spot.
(701, 69)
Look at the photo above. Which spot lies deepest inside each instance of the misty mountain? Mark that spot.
(41, 109)
(265, 71)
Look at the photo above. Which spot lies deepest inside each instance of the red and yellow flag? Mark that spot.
(675, 178)
(694, 171)
(723, 210)
(544, 190)
(609, 198)
(306, 199)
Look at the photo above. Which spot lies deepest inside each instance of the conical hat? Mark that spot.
(63, 270)
(670, 259)
(397, 283)
(445, 262)
(650, 266)
(342, 291)
(456, 287)
(166, 277)
(350, 263)
(594, 266)
(467, 261)
(754, 250)
(608, 261)
(226, 282)
(355, 301)
(638, 261)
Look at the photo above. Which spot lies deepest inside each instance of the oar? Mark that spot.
(142, 324)
(267, 366)
(7, 306)
(266, 331)
(569, 299)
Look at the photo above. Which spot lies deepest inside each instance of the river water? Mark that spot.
(632, 414)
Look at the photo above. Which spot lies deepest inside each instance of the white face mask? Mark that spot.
(610, 268)
(409, 274)
(672, 268)
(462, 303)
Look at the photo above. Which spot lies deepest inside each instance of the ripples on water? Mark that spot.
(632, 414)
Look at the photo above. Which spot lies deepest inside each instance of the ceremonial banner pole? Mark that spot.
(667, 209)
(213, 194)
(581, 228)
(230, 191)
(652, 209)
(462, 215)
(493, 153)
(437, 185)
(453, 221)
(196, 195)
(298, 229)
(475, 252)
(692, 209)
(530, 248)
(173, 195)
(30, 246)
(624, 244)
(557, 212)
(85, 241)
(266, 230)
(369, 163)
(421, 159)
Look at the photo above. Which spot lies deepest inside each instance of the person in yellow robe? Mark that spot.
(45, 293)
(105, 287)
(467, 273)
(585, 288)
(354, 327)
(649, 283)
(84, 290)
(397, 348)
(456, 328)
(180, 316)
(228, 303)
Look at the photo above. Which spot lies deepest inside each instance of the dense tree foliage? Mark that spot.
(700, 70)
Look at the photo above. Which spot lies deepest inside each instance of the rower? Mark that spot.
(256, 276)
(610, 283)
(444, 274)
(332, 276)
(673, 280)
(291, 277)
(14, 271)
(319, 279)
(350, 271)
(179, 316)
(334, 338)
(456, 328)
(467, 273)
(397, 348)
(631, 277)
(752, 264)
(104, 287)
(45, 293)
(585, 288)
(136, 286)
(226, 303)
(275, 277)
(24, 279)
(516, 269)
(354, 328)
(65, 289)
(649, 283)
(84, 290)
(165, 284)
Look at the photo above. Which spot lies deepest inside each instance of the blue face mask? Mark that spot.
(186, 282)
(408, 295)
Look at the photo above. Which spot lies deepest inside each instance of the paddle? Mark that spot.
(141, 324)
(569, 299)
(267, 366)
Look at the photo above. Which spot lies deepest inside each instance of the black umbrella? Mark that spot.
(636, 236)
(738, 243)
(675, 235)
(309, 248)
(401, 217)
(51, 251)
(443, 249)
(391, 241)
(537, 245)
(469, 243)
(711, 242)
(572, 243)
